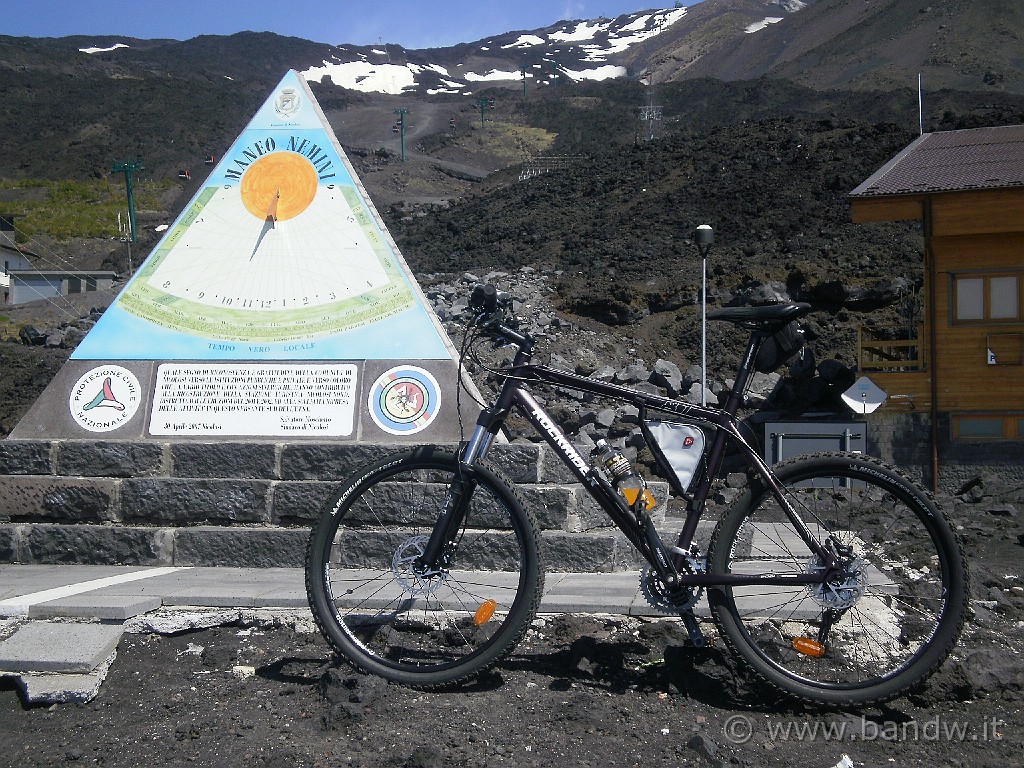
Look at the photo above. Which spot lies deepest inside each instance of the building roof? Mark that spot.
(950, 161)
(99, 273)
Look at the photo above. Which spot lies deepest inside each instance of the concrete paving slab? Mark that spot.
(96, 606)
(569, 603)
(65, 647)
(622, 586)
(60, 689)
(288, 597)
(175, 621)
(210, 597)
(21, 604)
(17, 580)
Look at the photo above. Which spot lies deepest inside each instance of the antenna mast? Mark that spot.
(651, 112)
(129, 167)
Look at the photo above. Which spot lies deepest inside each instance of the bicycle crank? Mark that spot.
(661, 599)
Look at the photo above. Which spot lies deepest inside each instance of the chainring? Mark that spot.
(658, 597)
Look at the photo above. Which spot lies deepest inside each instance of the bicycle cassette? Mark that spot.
(659, 598)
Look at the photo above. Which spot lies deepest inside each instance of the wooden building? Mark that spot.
(964, 370)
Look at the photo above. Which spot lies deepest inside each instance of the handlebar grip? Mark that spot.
(484, 298)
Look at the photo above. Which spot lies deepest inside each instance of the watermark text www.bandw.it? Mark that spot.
(739, 729)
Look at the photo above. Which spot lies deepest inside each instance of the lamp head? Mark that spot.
(704, 235)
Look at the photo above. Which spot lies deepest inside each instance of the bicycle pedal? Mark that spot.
(693, 629)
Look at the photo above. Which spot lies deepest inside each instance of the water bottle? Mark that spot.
(625, 479)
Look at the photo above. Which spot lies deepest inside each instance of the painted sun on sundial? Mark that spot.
(278, 247)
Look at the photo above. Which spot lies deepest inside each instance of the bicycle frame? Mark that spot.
(675, 565)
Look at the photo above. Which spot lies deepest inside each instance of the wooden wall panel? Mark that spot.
(901, 208)
(966, 381)
(978, 212)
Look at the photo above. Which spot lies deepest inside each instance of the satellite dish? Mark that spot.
(864, 396)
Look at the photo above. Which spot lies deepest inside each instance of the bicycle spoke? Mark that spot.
(881, 613)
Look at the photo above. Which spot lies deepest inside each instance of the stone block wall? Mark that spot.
(904, 439)
(242, 504)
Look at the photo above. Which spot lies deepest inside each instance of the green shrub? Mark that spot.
(70, 208)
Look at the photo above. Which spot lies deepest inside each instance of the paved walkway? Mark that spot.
(118, 593)
(60, 624)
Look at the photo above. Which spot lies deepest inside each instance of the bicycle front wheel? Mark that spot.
(883, 624)
(387, 617)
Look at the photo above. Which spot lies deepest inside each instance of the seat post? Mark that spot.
(732, 405)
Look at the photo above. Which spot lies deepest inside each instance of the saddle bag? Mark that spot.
(779, 348)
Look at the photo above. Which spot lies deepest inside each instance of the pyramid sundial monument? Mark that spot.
(277, 305)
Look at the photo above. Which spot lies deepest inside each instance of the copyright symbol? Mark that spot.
(738, 729)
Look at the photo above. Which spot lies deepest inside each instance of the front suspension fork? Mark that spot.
(450, 517)
(437, 554)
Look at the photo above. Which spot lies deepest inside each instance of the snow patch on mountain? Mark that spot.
(103, 50)
(759, 25)
(366, 77)
(575, 45)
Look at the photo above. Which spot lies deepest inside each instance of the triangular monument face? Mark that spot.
(276, 305)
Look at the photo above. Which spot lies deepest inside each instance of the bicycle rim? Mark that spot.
(438, 629)
(867, 635)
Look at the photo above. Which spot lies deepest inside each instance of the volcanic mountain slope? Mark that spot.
(69, 106)
(883, 44)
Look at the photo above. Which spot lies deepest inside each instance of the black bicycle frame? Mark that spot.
(670, 564)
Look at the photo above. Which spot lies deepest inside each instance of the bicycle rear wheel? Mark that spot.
(423, 630)
(868, 635)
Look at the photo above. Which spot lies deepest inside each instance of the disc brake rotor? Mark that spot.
(840, 595)
(414, 584)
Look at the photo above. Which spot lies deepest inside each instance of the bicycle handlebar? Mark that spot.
(490, 306)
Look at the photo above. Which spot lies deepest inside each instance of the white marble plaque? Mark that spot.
(254, 399)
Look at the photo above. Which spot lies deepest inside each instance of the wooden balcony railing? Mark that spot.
(890, 355)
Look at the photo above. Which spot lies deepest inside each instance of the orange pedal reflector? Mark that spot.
(809, 647)
(484, 612)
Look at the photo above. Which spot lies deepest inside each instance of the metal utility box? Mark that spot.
(787, 439)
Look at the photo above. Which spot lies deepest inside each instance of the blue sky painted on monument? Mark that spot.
(411, 23)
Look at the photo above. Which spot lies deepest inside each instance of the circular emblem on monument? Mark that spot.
(105, 398)
(404, 400)
(288, 102)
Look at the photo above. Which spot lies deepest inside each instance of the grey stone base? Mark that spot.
(246, 505)
(47, 543)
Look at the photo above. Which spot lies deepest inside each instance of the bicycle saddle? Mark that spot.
(770, 316)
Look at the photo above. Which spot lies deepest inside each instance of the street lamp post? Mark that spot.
(704, 237)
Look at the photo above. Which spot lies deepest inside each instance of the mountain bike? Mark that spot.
(832, 576)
